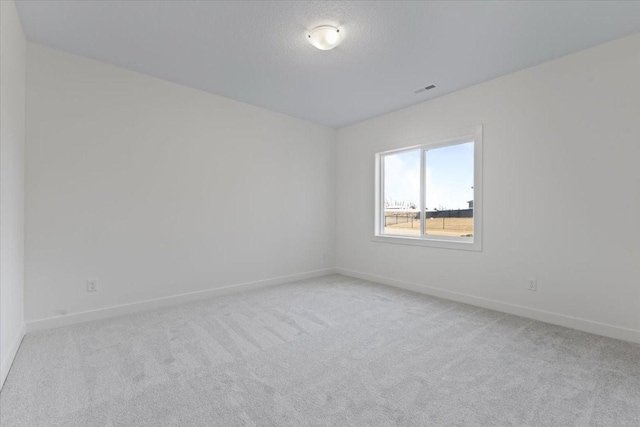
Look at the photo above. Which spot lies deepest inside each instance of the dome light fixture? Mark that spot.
(324, 37)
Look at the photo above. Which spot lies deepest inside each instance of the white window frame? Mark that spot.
(472, 134)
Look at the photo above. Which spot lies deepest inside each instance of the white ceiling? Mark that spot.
(257, 52)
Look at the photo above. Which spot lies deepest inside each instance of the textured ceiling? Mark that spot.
(256, 52)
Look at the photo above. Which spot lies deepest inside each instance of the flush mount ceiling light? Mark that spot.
(324, 37)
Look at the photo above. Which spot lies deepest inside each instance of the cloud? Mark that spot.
(449, 177)
(402, 177)
(434, 193)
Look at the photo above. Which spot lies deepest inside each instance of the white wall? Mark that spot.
(12, 100)
(561, 193)
(155, 189)
(143, 184)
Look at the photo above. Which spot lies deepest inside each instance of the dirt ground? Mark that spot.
(435, 226)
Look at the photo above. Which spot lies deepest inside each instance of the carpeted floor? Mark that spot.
(332, 351)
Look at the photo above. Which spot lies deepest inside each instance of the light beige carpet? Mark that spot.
(332, 351)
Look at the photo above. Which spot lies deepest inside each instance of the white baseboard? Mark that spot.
(626, 334)
(5, 366)
(103, 313)
(585, 325)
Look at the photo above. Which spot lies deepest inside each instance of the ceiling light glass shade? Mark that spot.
(325, 37)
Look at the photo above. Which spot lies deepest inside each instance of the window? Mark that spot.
(431, 194)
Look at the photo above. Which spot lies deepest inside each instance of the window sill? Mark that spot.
(461, 244)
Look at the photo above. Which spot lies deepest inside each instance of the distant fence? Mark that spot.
(392, 217)
(453, 213)
(400, 217)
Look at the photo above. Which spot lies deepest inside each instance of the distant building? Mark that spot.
(470, 204)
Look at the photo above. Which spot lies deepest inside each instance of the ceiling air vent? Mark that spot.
(424, 89)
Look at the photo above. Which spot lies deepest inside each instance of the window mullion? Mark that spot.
(423, 187)
(381, 217)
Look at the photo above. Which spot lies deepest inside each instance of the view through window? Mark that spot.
(428, 192)
(402, 193)
(449, 190)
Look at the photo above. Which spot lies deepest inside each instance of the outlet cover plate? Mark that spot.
(532, 285)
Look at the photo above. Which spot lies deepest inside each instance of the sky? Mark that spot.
(449, 177)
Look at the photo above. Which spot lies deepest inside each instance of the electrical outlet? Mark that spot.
(532, 284)
(92, 285)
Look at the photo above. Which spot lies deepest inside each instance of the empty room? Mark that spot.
(289, 213)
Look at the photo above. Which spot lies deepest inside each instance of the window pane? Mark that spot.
(402, 193)
(449, 191)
